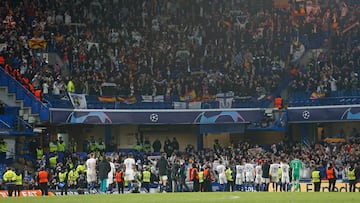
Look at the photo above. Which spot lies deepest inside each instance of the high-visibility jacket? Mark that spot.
(9, 175)
(39, 153)
(228, 174)
(146, 176)
(315, 176)
(351, 174)
(207, 174)
(43, 177)
(53, 147)
(119, 177)
(62, 176)
(201, 176)
(330, 173)
(194, 174)
(61, 146)
(70, 86)
(278, 102)
(19, 179)
(93, 146)
(53, 161)
(3, 147)
(73, 175)
(81, 168)
(101, 146)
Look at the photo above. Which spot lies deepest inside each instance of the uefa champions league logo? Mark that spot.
(306, 115)
(154, 117)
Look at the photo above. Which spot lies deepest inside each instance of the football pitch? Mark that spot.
(213, 197)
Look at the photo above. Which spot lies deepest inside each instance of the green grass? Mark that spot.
(214, 197)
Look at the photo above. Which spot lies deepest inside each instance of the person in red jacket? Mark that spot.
(194, 176)
(43, 179)
(331, 176)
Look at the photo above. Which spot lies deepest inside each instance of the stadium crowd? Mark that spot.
(151, 47)
(336, 66)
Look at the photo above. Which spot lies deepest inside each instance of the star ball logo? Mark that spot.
(154, 117)
(306, 115)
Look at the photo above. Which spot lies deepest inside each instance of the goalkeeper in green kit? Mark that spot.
(296, 166)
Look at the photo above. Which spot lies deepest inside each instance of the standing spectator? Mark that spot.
(9, 178)
(162, 165)
(3, 149)
(103, 169)
(156, 146)
(175, 144)
(72, 146)
(168, 147)
(43, 179)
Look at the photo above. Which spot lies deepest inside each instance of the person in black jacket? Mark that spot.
(265, 175)
(103, 171)
(156, 146)
(162, 165)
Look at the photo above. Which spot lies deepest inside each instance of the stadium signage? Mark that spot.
(323, 113)
(156, 116)
(24, 193)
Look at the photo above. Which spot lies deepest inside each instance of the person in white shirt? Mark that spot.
(285, 175)
(258, 176)
(240, 176)
(111, 175)
(249, 173)
(274, 174)
(91, 172)
(129, 171)
(222, 176)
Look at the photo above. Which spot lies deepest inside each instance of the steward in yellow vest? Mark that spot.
(9, 178)
(19, 183)
(146, 177)
(316, 179)
(39, 153)
(352, 178)
(63, 181)
(230, 180)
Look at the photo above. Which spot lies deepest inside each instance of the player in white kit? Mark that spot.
(258, 177)
(249, 176)
(274, 173)
(222, 176)
(91, 172)
(129, 170)
(285, 176)
(240, 176)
